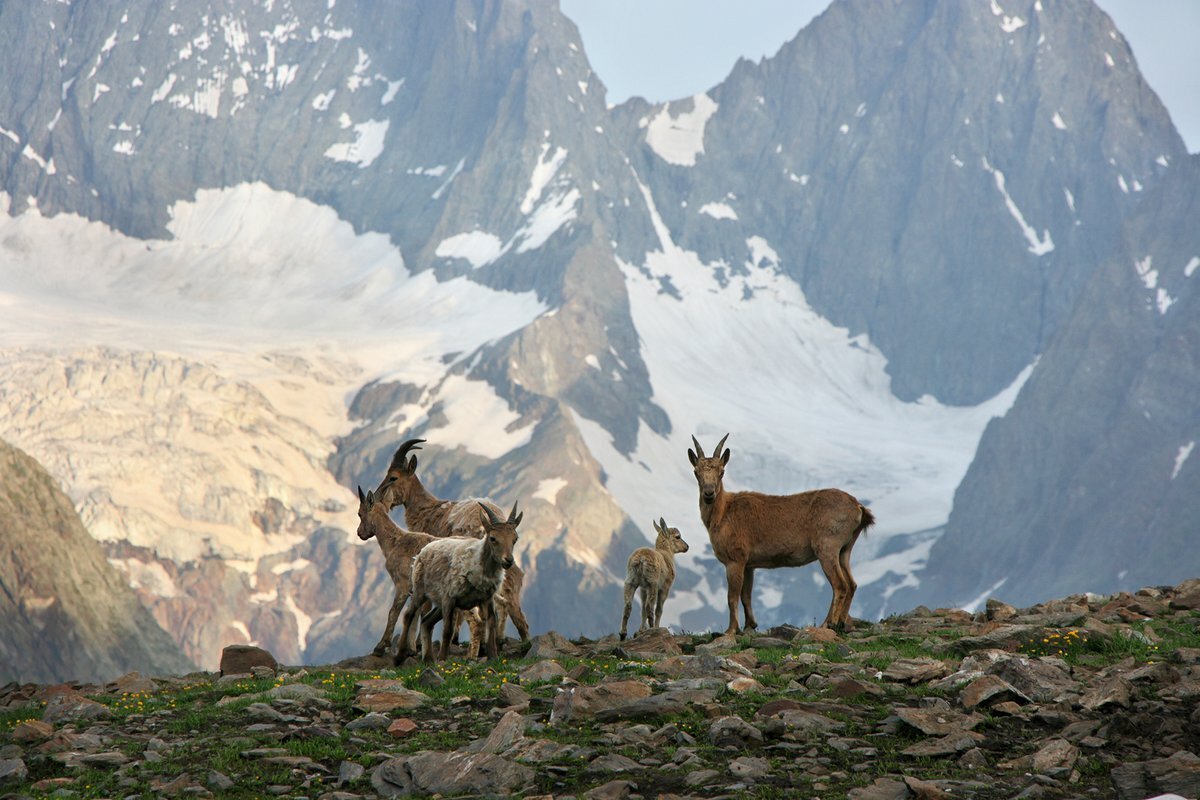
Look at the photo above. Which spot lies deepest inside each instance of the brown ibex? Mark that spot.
(652, 569)
(441, 518)
(750, 531)
(460, 574)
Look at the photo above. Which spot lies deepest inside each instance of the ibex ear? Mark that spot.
(662, 524)
(370, 497)
(412, 464)
(656, 528)
(725, 456)
(691, 457)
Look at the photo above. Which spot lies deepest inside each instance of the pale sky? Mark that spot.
(668, 49)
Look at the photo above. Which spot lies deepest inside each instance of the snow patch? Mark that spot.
(1181, 458)
(1191, 266)
(478, 419)
(149, 577)
(678, 140)
(974, 605)
(718, 211)
(1058, 121)
(479, 248)
(366, 147)
(548, 489)
(291, 566)
(1037, 246)
(321, 102)
(543, 172)
(558, 209)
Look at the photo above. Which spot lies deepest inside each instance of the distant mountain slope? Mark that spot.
(1091, 480)
(258, 245)
(65, 613)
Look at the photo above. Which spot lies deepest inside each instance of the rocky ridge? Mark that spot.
(1088, 696)
(56, 585)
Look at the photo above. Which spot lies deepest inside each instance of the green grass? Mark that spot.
(215, 735)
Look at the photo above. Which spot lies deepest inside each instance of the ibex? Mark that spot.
(399, 547)
(424, 512)
(652, 569)
(459, 574)
(750, 530)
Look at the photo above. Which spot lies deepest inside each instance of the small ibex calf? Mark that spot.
(652, 570)
(750, 530)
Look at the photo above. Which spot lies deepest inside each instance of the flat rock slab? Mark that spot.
(658, 705)
(916, 670)
(943, 746)
(989, 688)
(383, 702)
(1177, 774)
(933, 722)
(579, 702)
(428, 773)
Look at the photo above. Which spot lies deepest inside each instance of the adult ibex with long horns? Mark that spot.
(751, 530)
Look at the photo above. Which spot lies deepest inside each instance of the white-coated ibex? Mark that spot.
(399, 547)
(750, 531)
(460, 574)
(426, 513)
(652, 570)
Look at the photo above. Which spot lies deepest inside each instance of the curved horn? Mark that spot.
(362, 498)
(720, 444)
(402, 453)
(491, 515)
(699, 449)
(513, 516)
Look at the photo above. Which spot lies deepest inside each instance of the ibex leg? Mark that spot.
(851, 586)
(747, 595)
(733, 575)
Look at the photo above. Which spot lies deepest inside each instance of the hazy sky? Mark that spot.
(668, 49)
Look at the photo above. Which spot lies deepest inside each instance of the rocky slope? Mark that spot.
(57, 587)
(1088, 696)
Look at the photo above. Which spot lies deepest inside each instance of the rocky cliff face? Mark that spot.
(298, 233)
(65, 613)
(1091, 478)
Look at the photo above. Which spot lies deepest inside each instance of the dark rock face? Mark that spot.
(64, 611)
(1089, 482)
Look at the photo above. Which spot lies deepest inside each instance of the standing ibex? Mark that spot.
(750, 530)
(460, 574)
(652, 569)
(424, 512)
(399, 547)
